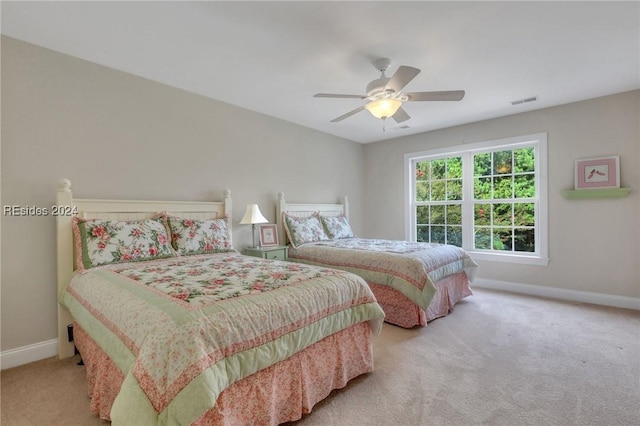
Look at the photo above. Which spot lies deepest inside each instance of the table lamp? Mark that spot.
(253, 216)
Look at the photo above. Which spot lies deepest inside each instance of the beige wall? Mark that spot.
(115, 135)
(593, 244)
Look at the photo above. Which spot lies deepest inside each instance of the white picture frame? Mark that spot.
(268, 235)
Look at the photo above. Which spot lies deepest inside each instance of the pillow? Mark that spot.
(337, 227)
(190, 236)
(302, 230)
(102, 242)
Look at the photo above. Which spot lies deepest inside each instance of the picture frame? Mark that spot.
(597, 173)
(268, 235)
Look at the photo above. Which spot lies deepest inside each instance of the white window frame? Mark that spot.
(538, 141)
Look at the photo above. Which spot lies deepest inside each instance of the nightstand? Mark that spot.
(275, 252)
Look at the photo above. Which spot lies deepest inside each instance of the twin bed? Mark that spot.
(176, 327)
(413, 282)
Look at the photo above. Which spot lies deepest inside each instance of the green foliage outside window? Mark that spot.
(439, 181)
(503, 193)
(507, 176)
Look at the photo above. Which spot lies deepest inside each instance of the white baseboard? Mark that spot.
(29, 353)
(561, 293)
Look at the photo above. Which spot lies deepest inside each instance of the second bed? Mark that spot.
(413, 282)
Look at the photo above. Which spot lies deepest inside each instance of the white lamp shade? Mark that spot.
(383, 108)
(253, 215)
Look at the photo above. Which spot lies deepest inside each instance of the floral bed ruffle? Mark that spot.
(280, 393)
(401, 311)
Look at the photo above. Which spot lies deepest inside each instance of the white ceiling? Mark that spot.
(271, 57)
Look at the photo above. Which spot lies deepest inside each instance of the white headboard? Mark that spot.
(302, 210)
(116, 210)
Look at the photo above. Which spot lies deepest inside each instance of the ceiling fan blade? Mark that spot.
(349, 114)
(335, 95)
(401, 78)
(400, 115)
(450, 95)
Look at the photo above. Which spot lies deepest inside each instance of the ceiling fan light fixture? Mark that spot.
(383, 108)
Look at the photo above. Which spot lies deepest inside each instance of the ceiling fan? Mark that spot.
(385, 97)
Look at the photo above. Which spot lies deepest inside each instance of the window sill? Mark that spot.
(509, 258)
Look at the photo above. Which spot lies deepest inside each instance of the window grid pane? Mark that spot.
(503, 181)
(438, 200)
(503, 208)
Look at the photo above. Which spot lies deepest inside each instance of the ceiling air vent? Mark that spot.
(524, 101)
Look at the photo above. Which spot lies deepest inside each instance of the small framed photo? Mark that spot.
(268, 235)
(598, 173)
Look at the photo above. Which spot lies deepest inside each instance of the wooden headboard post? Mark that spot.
(65, 265)
(345, 208)
(114, 210)
(280, 205)
(306, 210)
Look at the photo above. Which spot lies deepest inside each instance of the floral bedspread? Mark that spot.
(411, 268)
(183, 329)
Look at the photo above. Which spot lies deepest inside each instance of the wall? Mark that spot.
(593, 244)
(115, 135)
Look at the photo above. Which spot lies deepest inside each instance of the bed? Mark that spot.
(413, 282)
(206, 337)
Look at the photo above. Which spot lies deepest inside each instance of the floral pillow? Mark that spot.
(337, 227)
(102, 242)
(302, 230)
(190, 236)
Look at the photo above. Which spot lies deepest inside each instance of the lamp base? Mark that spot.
(253, 237)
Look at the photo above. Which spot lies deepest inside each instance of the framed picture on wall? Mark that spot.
(268, 235)
(597, 173)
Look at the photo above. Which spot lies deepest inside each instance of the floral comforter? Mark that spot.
(410, 268)
(183, 329)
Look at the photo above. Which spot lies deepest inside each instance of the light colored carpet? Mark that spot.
(498, 359)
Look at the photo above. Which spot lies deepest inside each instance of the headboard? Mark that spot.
(302, 210)
(116, 210)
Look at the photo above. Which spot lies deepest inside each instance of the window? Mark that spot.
(488, 198)
(438, 197)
